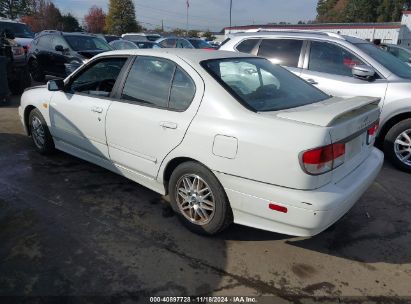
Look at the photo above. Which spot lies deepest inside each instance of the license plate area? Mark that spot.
(355, 146)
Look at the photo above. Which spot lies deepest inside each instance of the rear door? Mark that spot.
(43, 54)
(58, 59)
(329, 67)
(286, 52)
(156, 106)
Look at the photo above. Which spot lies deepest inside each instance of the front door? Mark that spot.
(78, 114)
(329, 68)
(155, 108)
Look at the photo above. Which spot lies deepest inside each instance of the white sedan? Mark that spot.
(229, 137)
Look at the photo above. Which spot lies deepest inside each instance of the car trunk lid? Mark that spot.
(348, 122)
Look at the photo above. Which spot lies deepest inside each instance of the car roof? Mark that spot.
(190, 55)
(10, 21)
(299, 34)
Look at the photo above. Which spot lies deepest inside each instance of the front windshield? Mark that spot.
(387, 60)
(262, 86)
(20, 30)
(200, 44)
(87, 43)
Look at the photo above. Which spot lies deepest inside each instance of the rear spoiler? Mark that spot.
(332, 111)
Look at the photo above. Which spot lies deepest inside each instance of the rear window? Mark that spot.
(262, 86)
(20, 30)
(247, 45)
(200, 44)
(281, 51)
(87, 43)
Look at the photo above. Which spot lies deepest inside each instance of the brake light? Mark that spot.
(372, 133)
(17, 50)
(324, 159)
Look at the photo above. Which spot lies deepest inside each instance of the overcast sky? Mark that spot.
(205, 14)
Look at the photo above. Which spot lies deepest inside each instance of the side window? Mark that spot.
(45, 42)
(184, 44)
(182, 91)
(149, 81)
(58, 40)
(332, 59)
(247, 46)
(281, 51)
(99, 78)
(168, 43)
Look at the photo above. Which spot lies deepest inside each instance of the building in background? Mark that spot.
(386, 32)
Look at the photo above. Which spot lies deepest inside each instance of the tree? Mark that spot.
(359, 10)
(10, 8)
(43, 15)
(193, 33)
(121, 17)
(208, 35)
(178, 32)
(69, 23)
(95, 20)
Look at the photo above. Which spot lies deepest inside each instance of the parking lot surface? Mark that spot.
(68, 227)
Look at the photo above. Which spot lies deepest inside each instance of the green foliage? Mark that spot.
(193, 33)
(208, 35)
(121, 17)
(178, 32)
(359, 10)
(69, 23)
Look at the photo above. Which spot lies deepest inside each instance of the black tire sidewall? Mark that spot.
(389, 140)
(48, 146)
(223, 214)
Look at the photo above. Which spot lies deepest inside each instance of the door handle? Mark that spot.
(168, 125)
(311, 81)
(97, 109)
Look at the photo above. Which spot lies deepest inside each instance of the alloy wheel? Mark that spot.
(195, 199)
(402, 147)
(37, 132)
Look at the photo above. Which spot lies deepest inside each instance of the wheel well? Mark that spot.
(171, 166)
(389, 124)
(27, 112)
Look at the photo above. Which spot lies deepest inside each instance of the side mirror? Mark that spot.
(363, 71)
(55, 85)
(59, 48)
(8, 34)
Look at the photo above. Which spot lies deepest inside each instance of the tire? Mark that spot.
(212, 204)
(393, 149)
(39, 130)
(36, 72)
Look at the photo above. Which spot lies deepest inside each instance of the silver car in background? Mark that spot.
(346, 67)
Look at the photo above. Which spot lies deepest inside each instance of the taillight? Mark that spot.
(17, 50)
(324, 159)
(372, 133)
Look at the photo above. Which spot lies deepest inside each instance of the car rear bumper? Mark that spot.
(308, 212)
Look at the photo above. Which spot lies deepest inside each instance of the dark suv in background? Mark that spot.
(58, 54)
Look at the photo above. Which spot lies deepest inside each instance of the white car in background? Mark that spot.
(230, 137)
(344, 66)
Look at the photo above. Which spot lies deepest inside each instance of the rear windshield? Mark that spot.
(200, 44)
(87, 43)
(262, 86)
(20, 30)
(389, 61)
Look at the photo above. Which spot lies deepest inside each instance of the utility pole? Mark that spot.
(162, 25)
(231, 8)
(188, 6)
